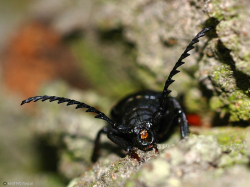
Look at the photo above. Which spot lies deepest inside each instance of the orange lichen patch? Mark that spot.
(144, 134)
(35, 55)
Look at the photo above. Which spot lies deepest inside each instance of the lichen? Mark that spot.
(233, 96)
(182, 164)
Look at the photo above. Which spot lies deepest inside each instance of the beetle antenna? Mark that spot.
(99, 115)
(160, 111)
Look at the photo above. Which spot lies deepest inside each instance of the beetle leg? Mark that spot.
(96, 151)
(156, 149)
(133, 154)
(114, 136)
(117, 139)
(175, 114)
(181, 117)
(182, 120)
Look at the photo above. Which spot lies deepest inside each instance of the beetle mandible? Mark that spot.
(139, 120)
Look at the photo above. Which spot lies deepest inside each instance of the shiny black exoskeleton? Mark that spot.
(142, 119)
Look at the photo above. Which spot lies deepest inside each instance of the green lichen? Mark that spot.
(232, 141)
(222, 9)
(204, 156)
(233, 93)
(227, 135)
(231, 77)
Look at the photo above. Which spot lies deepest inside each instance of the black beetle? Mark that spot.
(139, 120)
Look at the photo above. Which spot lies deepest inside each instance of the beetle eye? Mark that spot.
(145, 140)
(145, 136)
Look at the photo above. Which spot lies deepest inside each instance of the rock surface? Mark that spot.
(217, 156)
(195, 161)
(155, 33)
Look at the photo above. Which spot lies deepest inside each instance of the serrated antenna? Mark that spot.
(99, 115)
(161, 109)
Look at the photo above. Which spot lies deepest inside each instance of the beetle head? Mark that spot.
(144, 137)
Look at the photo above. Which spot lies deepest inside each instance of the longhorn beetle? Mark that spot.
(139, 120)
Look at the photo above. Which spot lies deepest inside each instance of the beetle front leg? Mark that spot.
(114, 136)
(182, 120)
(117, 139)
(173, 115)
(96, 151)
(125, 145)
(181, 117)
